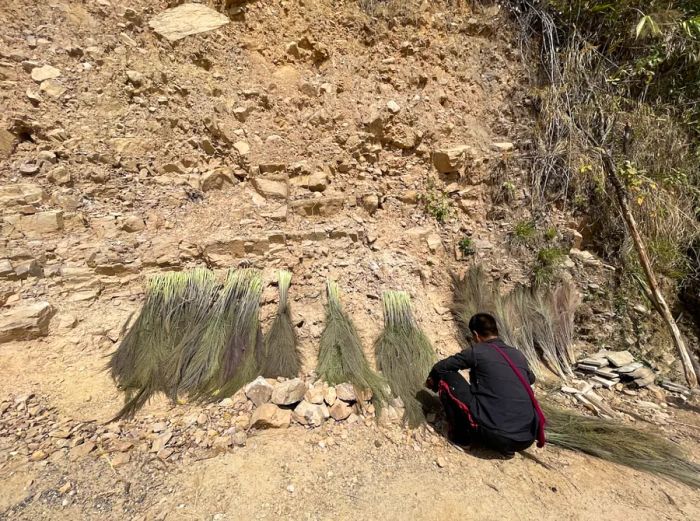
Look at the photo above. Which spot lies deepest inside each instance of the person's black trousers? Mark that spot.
(457, 399)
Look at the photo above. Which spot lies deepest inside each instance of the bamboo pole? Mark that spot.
(658, 298)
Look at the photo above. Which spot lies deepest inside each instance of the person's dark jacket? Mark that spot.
(500, 403)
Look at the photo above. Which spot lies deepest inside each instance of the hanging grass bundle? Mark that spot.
(404, 354)
(340, 357)
(619, 443)
(280, 356)
(176, 303)
(223, 357)
(538, 321)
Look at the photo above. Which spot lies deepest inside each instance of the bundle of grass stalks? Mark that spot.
(340, 357)
(539, 321)
(619, 443)
(223, 357)
(280, 356)
(176, 304)
(404, 354)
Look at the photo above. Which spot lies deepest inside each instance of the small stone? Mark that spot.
(52, 88)
(259, 391)
(135, 78)
(268, 415)
(65, 488)
(289, 392)
(120, 458)
(82, 450)
(504, 146)
(330, 396)
(239, 438)
(311, 414)
(440, 462)
(202, 419)
(314, 395)
(46, 72)
(341, 410)
(346, 392)
(161, 441)
(29, 168)
(242, 147)
(370, 202)
(38, 455)
(393, 107)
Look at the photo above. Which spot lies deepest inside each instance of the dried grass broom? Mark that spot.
(341, 358)
(404, 354)
(176, 303)
(619, 443)
(222, 357)
(280, 356)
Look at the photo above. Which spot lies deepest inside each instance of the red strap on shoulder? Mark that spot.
(540, 415)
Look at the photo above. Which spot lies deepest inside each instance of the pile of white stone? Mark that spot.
(608, 368)
(278, 403)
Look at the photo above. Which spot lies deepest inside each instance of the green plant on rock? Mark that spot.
(524, 232)
(466, 246)
(546, 264)
(436, 203)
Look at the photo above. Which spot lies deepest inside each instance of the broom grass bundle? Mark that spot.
(538, 321)
(404, 354)
(225, 357)
(619, 443)
(280, 356)
(176, 303)
(341, 358)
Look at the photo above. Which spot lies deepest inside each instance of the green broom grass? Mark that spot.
(142, 365)
(340, 357)
(619, 443)
(239, 364)
(404, 354)
(280, 356)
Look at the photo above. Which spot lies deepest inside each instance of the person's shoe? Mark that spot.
(508, 454)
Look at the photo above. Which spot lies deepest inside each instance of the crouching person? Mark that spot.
(497, 407)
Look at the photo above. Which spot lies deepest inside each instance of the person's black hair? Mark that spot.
(484, 324)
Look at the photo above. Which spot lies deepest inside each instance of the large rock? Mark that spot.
(315, 182)
(318, 206)
(289, 392)
(26, 322)
(454, 159)
(311, 414)
(20, 194)
(186, 19)
(259, 391)
(36, 225)
(269, 416)
(271, 188)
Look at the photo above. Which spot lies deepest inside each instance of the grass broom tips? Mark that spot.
(619, 443)
(340, 357)
(280, 356)
(404, 354)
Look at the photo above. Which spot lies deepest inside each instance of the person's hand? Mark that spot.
(430, 384)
